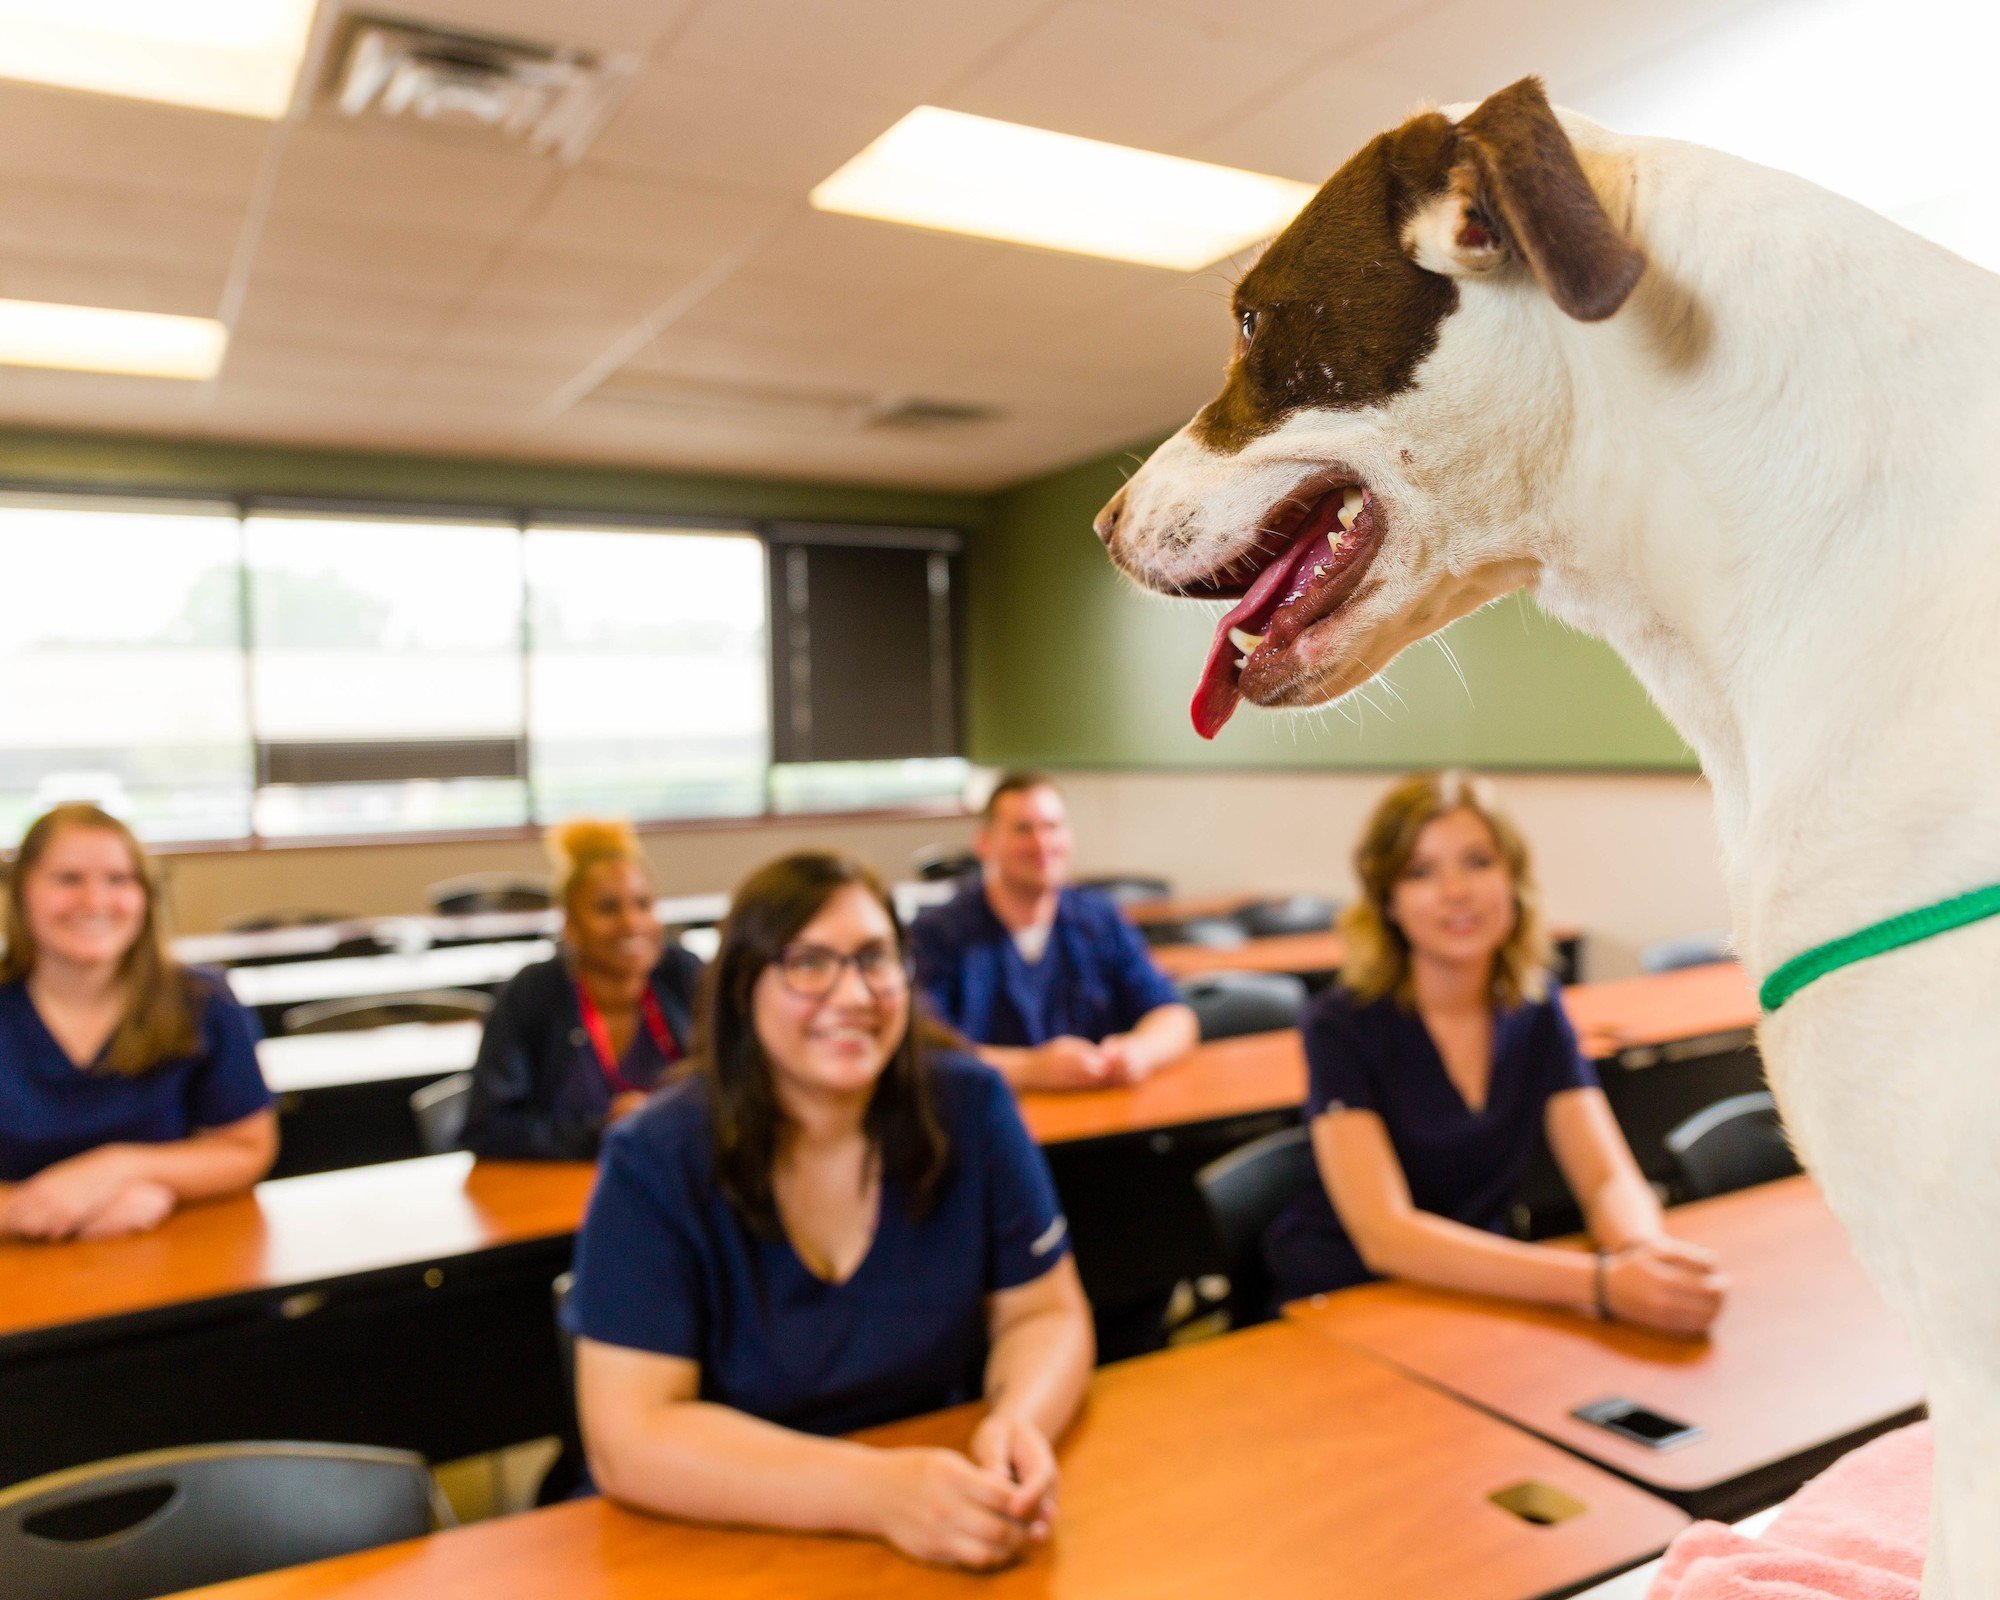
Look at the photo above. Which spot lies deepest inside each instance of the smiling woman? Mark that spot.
(127, 1083)
(830, 1224)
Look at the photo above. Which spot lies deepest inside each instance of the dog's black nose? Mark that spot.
(1107, 519)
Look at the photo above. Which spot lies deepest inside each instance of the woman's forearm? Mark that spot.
(1623, 1211)
(1449, 1255)
(218, 1161)
(1039, 1368)
(714, 1464)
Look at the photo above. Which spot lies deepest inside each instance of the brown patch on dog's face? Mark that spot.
(1336, 314)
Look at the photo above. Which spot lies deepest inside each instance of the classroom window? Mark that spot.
(386, 674)
(121, 650)
(647, 673)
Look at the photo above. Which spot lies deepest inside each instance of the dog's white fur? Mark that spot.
(1772, 482)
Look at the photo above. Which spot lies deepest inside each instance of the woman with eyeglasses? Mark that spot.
(828, 1224)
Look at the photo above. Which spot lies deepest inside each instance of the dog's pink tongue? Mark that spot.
(1216, 695)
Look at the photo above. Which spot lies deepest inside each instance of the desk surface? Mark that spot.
(1228, 1078)
(1250, 1464)
(1305, 954)
(1661, 1007)
(292, 1232)
(1186, 908)
(466, 966)
(306, 1061)
(1803, 1355)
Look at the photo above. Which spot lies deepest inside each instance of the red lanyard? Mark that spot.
(600, 1037)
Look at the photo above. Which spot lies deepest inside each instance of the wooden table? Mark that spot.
(1804, 1362)
(1189, 908)
(1644, 1019)
(402, 1304)
(1249, 1465)
(1316, 957)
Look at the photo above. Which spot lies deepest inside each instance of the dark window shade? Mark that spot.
(308, 761)
(863, 653)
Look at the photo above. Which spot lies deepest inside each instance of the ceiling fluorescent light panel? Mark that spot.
(238, 56)
(956, 173)
(144, 344)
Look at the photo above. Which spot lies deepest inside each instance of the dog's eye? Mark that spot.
(1246, 326)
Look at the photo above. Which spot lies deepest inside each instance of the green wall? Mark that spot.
(88, 461)
(1073, 666)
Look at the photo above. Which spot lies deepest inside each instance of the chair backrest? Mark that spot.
(1688, 950)
(440, 1112)
(385, 1011)
(285, 917)
(488, 891)
(1228, 1004)
(565, 1340)
(1733, 1144)
(1298, 913)
(1128, 889)
(944, 863)
(1244, 1191)
(168, 1520)
(1211, 933)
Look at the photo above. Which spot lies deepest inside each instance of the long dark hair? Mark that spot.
(904, 1132)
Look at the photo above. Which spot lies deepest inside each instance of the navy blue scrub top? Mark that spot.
(538, 1092)
(665, 1264)
(50, 1109)
(1095, 977)
(1462, 1164)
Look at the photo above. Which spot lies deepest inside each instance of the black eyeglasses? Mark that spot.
(812, 972)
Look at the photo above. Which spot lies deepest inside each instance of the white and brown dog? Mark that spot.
(1745, 431)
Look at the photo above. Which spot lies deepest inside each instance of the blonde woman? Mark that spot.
(1433, 1063)
(577, 1042)
(128, 1084)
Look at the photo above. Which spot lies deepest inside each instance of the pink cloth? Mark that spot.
(1856, 1532)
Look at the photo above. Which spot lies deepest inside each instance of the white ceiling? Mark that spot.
(403, 288)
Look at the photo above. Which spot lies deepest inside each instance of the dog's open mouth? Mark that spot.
(1305, 566)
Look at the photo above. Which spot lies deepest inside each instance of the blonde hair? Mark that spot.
(160, 1022)
(581, 843)
(1378, 954)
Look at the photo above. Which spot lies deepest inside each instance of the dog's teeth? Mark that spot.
(1246, 642)
(1242, 662)
(1350, 508)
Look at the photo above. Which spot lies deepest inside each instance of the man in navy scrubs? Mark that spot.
(1051, 983)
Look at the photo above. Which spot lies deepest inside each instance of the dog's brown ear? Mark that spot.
(1517, 188)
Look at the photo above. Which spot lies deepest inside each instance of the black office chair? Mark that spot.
(565, 1474)
(1228, 1004)
(1688, 950)
(1734, 1144)
(940, 863)
(488, 891)
(167, 1520)
(1298, 913)
(1128, 889)
(440, 1112)
(1211, 933)
(385, 1011)
(1244, 1191)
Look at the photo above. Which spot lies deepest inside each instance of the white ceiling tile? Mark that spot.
(407, 176)
(1130, 76)
(551, 282)
(305, 369)
(63, 136)
(822, 247)
(402, 263)
(38, 397)
(1303, 26)
(127, 226)
(719, 128)
(600, 25)
(181, 291)
(276, 313)
(907, 51)
(642, 219)
(480, 332)
(1312, 127)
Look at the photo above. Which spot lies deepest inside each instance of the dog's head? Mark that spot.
(1398, 397)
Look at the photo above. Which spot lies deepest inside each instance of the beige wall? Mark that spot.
(381, 879)
(1631, 858)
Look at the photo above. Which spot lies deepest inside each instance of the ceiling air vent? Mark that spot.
(551, 98)
(718, 401)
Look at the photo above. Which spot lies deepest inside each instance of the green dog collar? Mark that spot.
(1873, 940)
